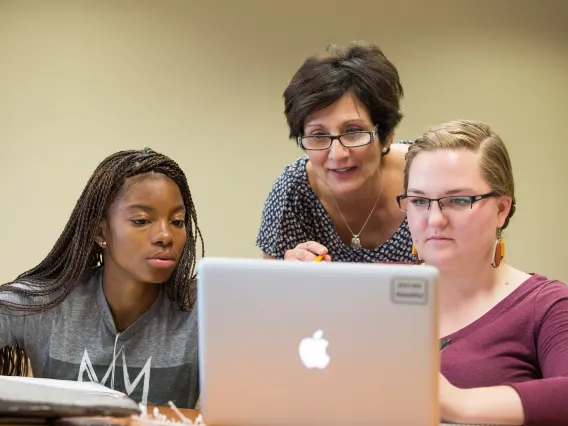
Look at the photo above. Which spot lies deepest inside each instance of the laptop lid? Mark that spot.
(297, 343)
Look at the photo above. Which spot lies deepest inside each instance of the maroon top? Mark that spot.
(521, 342)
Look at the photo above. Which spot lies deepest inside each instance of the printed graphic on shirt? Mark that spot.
(146, 384)
(108, 380)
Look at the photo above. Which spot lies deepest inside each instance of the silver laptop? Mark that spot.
(296, 343)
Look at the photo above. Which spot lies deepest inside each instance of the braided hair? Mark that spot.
(75, 250)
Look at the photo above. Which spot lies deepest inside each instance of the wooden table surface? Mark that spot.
(130, 421)
(121, 421)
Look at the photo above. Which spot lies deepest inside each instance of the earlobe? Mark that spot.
(101, 239)
(387, 143)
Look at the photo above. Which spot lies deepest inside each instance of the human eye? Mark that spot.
(139, 222)
(178, 223)
(315, 140)
(418, 201)
(459, 201)
(318, 133)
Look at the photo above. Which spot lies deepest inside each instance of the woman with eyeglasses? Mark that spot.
(504, 332)
(339, 200)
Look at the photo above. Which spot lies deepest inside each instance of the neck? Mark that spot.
(460, 286)
(127, 298)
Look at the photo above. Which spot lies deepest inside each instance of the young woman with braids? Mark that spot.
(113, 302)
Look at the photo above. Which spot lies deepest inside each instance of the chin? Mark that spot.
(157, 277)
(344, 187)
(439, 260)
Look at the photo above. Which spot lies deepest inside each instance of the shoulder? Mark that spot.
(545, 295)
(85, 290)
(16, 297)
(402, 144)
(171, 309)
(400, 148)
(284, 222)
(89, 280)
(398, 152)
(181, 324)
(290, 185)
(293, 175)
(548, 291)
(393, 168)
(24, 294)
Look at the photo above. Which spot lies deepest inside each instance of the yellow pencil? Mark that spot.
(320, 257)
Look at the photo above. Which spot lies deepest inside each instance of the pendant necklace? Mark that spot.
(355, 240)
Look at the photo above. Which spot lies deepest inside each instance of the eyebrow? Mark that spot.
(352, 121)
(448, 193)
(147, 208)
(457, 191)
(414, 191)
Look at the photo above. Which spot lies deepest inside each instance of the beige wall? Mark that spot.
(203, 82)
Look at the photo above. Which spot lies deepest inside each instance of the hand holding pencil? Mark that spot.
(309, 251)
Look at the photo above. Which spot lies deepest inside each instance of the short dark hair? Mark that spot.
(360, 68)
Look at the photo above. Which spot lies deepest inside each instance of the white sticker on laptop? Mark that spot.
(409, 291)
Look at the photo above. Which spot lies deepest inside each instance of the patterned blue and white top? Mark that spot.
(293, 214)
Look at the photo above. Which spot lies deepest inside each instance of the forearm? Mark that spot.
(499, 405)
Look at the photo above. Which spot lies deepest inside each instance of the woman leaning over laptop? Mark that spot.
(504, 332)
(113, 301)
(342, 107)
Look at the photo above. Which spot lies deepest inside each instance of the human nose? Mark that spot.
(163, 234)
(436, 216)
(337, 151)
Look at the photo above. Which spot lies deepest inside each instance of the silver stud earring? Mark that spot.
(385, 149)
(103, 243)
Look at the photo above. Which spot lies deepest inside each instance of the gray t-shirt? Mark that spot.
(155, 360)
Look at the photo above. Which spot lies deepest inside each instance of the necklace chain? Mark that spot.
(355, 240)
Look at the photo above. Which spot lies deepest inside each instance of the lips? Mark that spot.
(165, 255)
(438, 238)
(162, 260)
(342, 170)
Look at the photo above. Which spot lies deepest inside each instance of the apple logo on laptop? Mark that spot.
(313, 351)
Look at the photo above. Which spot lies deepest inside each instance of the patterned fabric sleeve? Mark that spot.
(283, 225)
